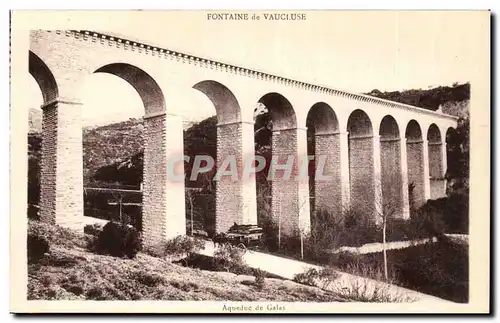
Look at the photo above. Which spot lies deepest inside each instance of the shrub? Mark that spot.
(148, 279)
(319, 278)
(260, 280)
(181, 245)
(118, 240)
(228, 257)
(93, 229)
(364, 290)
(38, 246)
(307, 278)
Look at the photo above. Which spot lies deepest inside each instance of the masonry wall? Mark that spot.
(328, 192)
(436, 170)
(361, 172)
(287, 195)
(235, 197)
(61, 181)
(390, 154)
(163, 211)
(415, 160)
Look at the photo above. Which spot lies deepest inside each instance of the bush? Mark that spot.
(318, 278)
(229, 258)
(118, 240)
(363, 290)
(307, 278)
(38, 246)
(93, 229)
(181, 245)
(260, 280)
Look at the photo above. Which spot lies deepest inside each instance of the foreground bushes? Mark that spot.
(182, 245)
(117, 240)
(228, 257)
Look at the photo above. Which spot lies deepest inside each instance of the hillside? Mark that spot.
(430, 99)
(70, 271)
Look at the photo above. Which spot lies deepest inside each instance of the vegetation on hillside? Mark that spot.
(429, 99)
(69, 271)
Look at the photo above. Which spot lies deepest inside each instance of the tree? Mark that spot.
(387, 209)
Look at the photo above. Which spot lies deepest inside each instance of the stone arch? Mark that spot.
(322, 119)
(286, 193)
(162, 143)
(359, 124)
(44, 77)
(282, 113)
(391, 169)
(323, 142)
(361, 162)
(147, 88)
(434, 134)
(235, 200)
(436, 162)
(413, 130)
(415, 160)
(226, 105)
(389, 128)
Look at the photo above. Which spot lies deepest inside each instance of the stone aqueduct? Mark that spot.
(368, 141)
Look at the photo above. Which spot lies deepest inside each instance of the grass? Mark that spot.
(69, 271)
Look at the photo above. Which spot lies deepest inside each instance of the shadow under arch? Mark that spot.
(44, 77)
(226, 105)
(281, 111)
(147, 88)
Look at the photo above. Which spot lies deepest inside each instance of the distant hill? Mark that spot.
(102, 145)
(430, 99)
(35, 121)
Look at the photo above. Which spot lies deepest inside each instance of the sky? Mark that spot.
(353, 51)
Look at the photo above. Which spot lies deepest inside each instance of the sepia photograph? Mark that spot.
(250, 161)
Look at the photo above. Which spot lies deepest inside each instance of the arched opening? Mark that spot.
(323, 142)
(44, 77)
(231, 199)
(391, 170)
(113, 148)
(436, 165)
(361, 162)
(124, 154)
(35, 114)
(276, 144)
(415, 160)
(42, 89)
